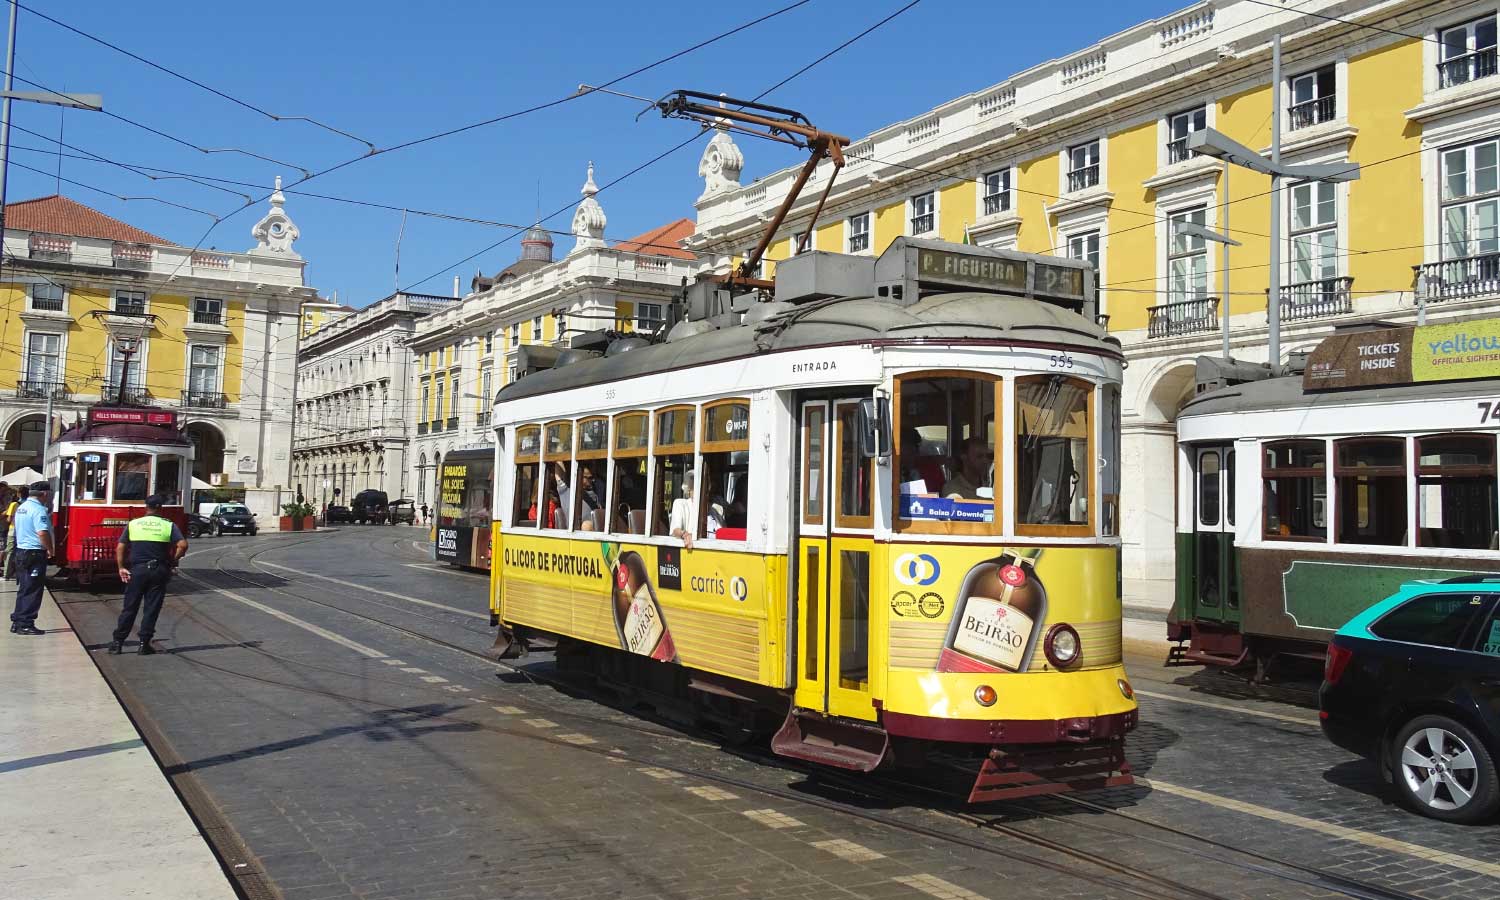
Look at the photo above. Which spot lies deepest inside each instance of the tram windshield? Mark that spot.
(947, 451)
(132, 477)
(1052, 450)
(169, 479)
(92, 485)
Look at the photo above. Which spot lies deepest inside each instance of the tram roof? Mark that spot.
(964, 315)
(118, 433)
(1287, 393)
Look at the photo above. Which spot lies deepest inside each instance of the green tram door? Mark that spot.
(1215, 575)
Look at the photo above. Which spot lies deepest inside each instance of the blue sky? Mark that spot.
(390, 72)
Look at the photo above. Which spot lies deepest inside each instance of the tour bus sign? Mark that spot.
(105, 415)
(1410, 354)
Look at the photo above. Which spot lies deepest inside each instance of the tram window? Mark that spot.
(629, 485)
(132, 477)
(854, 619)
(593, 476)
(1370, 491)
(1456, 491)
(1053, 436)
(1229, 487)
(1109, 460)
(1208, 489)
(947, 450)
(725, 447)
(676, 508)
(557, 483)
(855, 474)
(812, 609)
(813, 460)
(93, 478)
(1296, 493)
(1438, 620)
(169, 479)
(528, 452)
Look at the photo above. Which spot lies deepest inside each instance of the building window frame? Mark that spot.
(922, 213)
(48, 288)
(652, 320)
(59, 363)
(1312, 96)
(1314, 241)
(857, 240)
(195, 386)
(1470, 58)
(1478, 200)
(996, 197)
(1083, 165)
(136, 303)
(1179, 126)
(208, 311)
(1184, 251)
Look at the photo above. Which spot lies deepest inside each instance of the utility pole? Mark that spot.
(1224, 263)
(1273, 294)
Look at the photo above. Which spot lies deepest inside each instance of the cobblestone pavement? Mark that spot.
(353, 759)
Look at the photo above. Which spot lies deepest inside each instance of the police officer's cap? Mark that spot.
(155, 501)
(41, 486)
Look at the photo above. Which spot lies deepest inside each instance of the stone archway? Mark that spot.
(208, 449)
(23, 443)
(1148, 502)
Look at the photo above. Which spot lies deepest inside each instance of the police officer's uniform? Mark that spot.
(150, 540)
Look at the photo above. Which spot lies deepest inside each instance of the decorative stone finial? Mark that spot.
(589, 219)
(276, 232)
(721, 163)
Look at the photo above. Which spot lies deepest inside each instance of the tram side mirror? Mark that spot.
(874, 427)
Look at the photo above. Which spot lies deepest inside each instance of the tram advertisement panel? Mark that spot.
(463, 514)
(973, 609)
(703, 608)
(1410, 354)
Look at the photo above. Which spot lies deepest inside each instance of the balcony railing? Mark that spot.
(1466, 68)
(452, 422)
(40, 389)
(50, 246)
(46, 304)
(1183, 317)
(1315, 299)
(997, 203)
(1311, 112)
(482, 420)
(1177, 151)
(208, 316)
(1086, 177)
(923, 224)
(1459, 279)
(203, 399)
(133, 394)
(131, 256)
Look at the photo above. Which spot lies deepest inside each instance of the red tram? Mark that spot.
(101, 473)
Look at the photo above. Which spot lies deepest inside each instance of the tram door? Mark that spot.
(1215, 573)
(835, 540)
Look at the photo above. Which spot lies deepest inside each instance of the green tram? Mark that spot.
(1303, 499)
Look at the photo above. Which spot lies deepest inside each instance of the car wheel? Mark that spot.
(218, 530)
(1444, 772)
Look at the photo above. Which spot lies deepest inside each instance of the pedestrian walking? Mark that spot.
(148, 551)
(424, 514)
(33, 535)
(8, 555)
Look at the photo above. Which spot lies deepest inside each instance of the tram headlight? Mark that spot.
(1062, 645)
(1125, 688)
(985, 695)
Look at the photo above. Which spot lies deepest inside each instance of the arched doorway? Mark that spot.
(208, 449)
(23, 443)
(1148, 504)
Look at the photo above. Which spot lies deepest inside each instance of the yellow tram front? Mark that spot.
(890, 521)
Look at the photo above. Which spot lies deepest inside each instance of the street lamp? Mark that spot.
(1209, 142)
(1225, 242)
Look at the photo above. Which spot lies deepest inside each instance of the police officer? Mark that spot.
(148, 551)
(33, 535)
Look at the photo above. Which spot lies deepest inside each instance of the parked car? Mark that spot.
(334, 514)
(1413, 683)
(369, 507)
(198, 526)
(232, 517)
(402, 511)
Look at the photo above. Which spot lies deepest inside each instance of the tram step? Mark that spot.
(1205, 658)
(1014, 775)
(816, 738)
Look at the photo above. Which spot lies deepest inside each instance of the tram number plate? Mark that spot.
(1489, 410)
(1060, 361)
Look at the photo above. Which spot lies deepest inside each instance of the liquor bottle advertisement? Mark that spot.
(637, 612)
(988, 609)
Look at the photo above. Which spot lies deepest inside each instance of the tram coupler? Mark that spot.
(508, 645)
(1014, 773)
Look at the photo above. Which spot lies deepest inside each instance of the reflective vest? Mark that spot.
(150, 539)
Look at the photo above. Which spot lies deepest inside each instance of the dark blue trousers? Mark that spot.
(148, 582)
(31, 572)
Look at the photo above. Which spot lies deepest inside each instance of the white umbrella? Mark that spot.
(24, 475)
(201, 485)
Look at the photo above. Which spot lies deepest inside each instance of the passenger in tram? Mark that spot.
(684, 513)
(589, 503)
(559, 497)
(973, 465)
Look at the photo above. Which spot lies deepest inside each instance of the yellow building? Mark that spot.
(213, 334)
(321, 311)
(1086, 156)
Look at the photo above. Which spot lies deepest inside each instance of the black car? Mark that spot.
(232, 517)
(1413, 682)
(334, 514)
(198, 526)
(369, 507)
(402, 511)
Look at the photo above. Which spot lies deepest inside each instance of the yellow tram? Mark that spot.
(878, 511)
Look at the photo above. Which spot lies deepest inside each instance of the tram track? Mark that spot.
(881, 789)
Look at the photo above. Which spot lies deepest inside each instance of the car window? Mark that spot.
(232, 508)
(1438, 620)
(1488, 641)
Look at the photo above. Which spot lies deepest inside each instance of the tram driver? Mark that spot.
(974, 472)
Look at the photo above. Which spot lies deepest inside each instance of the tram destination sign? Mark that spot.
(1409, 354)
(998, 274)
(103, 415)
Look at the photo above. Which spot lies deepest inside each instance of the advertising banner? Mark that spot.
(1411, 354)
